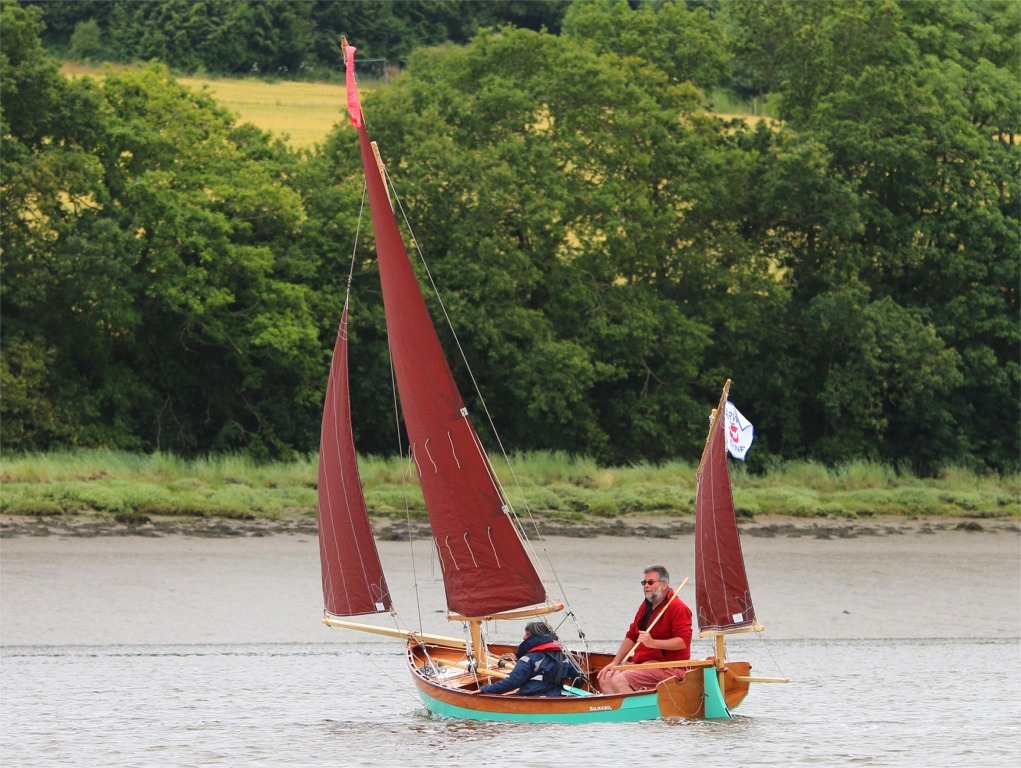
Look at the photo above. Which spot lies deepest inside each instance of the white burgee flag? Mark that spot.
(740, 433)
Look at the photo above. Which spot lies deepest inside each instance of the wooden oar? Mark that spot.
(686, 663)
(676, 595)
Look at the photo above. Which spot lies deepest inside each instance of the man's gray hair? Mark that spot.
(660, 570)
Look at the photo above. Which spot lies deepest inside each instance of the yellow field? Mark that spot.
(306, 112)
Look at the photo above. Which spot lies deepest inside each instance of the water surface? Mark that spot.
(904, 651)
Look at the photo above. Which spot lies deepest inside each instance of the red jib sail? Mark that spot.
(485, 568)
(722, 597)
(353, 582)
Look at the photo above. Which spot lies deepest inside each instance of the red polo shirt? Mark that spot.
(676, 622)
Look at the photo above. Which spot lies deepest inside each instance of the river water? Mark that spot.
(903, 650)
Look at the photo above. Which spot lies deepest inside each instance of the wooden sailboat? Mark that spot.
(487, 572)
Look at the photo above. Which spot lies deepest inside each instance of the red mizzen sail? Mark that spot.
(722, 597)
(353, 582)
(485, 568)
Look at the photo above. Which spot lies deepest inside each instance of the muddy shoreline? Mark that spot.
(767, 526)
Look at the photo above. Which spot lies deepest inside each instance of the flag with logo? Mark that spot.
(740, 433)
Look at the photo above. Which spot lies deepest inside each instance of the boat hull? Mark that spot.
(448, 689)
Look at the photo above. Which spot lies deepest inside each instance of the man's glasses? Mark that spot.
(648, 582)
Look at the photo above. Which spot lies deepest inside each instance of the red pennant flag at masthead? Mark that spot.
(354, 104)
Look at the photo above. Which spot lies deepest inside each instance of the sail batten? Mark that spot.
(722, 594)
(465, 508)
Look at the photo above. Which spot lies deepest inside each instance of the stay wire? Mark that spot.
(770, 652)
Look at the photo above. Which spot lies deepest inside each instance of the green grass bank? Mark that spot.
(553, 491)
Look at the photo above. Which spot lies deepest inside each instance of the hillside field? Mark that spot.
(304, 112)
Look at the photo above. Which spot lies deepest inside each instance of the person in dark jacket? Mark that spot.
(541, 668)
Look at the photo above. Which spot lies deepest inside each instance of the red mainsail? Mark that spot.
(722, 597)
(353, 582)
(485, 568)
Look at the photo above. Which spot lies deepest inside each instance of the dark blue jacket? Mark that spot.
(527, 676)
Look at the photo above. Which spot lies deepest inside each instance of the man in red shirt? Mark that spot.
(662, 632)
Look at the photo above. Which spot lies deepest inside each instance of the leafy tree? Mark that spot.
(289, 38)
(913, 129)
(686, 45)
(44, 184)
(608, 253)
(883, 374)
(142, 291)
(86, 41)
(543, 188)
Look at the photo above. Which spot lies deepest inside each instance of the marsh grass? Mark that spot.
(549, 485)
(110, 482)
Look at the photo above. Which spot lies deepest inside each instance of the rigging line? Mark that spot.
(770, 652)
(436, 468)
(575, 656)
(405, 472)
(405, 475)
(358, 232)
(346, 332)
(453, 450)
(467, 543)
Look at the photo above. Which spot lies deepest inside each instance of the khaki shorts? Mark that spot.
(646, 679)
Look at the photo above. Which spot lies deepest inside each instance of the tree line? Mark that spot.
(609, 252)
(277, 38)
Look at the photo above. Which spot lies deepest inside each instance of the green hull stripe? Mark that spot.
(631, 710)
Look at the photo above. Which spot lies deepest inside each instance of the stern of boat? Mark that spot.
(687, 698)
